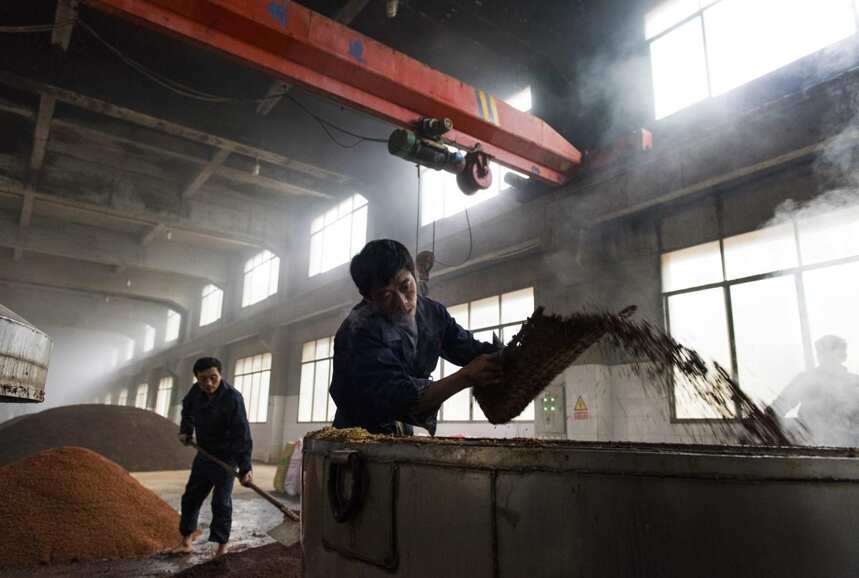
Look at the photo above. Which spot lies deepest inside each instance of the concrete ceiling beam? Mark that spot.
(172, 128)
(73, 241)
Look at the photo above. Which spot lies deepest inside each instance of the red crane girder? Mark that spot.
(293, 42)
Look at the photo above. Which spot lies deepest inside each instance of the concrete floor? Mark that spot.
(252, 517)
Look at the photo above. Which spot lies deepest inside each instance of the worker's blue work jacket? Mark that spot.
(380, 372)
(219, 423)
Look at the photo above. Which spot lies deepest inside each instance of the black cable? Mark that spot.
(34, 28)
(470, 246)
(193, 93)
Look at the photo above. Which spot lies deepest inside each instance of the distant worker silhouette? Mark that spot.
(827, 396)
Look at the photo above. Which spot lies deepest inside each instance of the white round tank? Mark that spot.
(24, 355)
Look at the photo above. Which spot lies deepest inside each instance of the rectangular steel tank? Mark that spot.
(487, 509)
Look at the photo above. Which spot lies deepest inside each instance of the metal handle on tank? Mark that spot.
(344, 508)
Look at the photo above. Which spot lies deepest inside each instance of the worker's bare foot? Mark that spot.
(221, 550)
(182, 549)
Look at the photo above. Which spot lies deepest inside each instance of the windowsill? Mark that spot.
(514, 422)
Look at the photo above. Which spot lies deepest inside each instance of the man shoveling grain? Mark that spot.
(215, 411)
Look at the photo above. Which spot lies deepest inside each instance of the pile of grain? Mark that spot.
(547, 344)
(139, 440)
(272, 560)
(70, 504)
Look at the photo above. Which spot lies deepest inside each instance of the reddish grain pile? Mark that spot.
(269, 561)
(137, 439)
(71, 504)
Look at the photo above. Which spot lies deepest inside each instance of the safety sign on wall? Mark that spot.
(581, 410)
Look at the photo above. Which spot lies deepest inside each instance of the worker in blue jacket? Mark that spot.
(215, 412)
(385, 351)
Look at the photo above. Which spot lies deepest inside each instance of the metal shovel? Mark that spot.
(287, 533)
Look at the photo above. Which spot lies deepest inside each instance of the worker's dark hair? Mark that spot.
(378, 262)
(205, 363)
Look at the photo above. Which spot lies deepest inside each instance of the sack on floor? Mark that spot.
(282, 466)
(292, 486)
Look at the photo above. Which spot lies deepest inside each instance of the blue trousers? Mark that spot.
(206, 476)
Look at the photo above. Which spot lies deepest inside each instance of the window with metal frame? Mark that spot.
(500, 314)
(338, 235)
(108, 399)
(141, 396)
(261, 278)
(314, 402)
(123, 397)
(211, 304)
(171, 329)
(252, 379)
(704, 48)
(129, 350)
(148, 338)
(755, 303)
(163, 396)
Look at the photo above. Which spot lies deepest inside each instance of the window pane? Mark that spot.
(698, 320)
(456, 407)
(764, 251)
(667, 14)
(315, 254)
(829, 236)
(509, 332)
(432, 196)
(460, 314)
(484, 313)
(833, 307)
(679, 69)
(692, 267)
(521, 100)
(330, 216)
(485, 336)
(517, 306)
(338, 237)
(256, 363)
(747, 39)
(359, 231)
(266, 361)
(265, 379)
(767, 336)
(332, 409)
(323, 348)
(320, 393)
(305, 393)
(344, 208)
(527, 413)
(250, 394)
(316, 224)
(148, 338)
(447, 368)
(274, 276)
(477, 413)
(308, 351)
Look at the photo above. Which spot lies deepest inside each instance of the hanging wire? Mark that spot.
(193, 93)
(34, 28)
(467, 221)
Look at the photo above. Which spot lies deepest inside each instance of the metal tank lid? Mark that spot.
(6, 313)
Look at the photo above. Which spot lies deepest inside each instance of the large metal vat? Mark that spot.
(24, 355)
(482, 509)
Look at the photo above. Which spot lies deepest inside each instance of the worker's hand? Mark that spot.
(483, 370)
(247, 478)
(186, 439)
